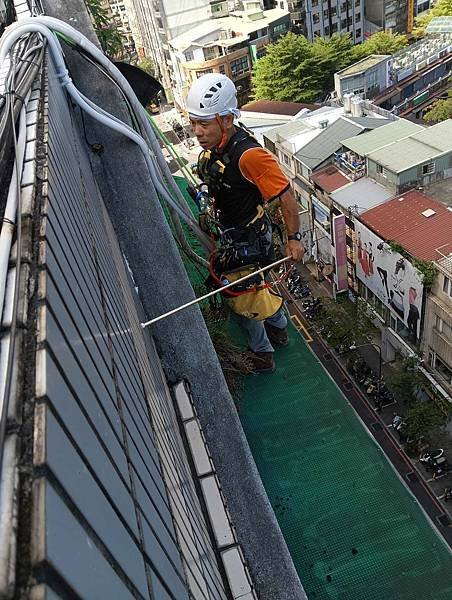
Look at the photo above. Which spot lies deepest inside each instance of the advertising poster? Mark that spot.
(306, 234)
(390, 276)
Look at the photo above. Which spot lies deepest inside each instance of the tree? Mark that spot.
(297, 70)
(110, 39)
(381, 42)
(424, 421)
(440, 110)
(147, 65)
(442, 8)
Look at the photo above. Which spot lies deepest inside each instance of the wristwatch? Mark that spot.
(295, 236)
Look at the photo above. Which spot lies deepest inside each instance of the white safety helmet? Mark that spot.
(210, 95)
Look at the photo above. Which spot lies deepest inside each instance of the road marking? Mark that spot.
(300, 327)
(440, 497)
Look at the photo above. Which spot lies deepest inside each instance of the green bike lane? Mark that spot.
(353, 529)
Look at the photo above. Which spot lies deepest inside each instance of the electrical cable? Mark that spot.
(79, 39)
(15, 301)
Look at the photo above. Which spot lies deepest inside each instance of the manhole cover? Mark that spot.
(376, 426)
(412, 477)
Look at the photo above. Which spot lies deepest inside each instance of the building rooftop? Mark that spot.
(359, 196)
(286, 131)
(239, 26)
(441, 190)
(440, 25)
(404, 219)
(363, 64)
(277, 107)
(328, 141)
(329, 179)
(373, 140)
(415, 149)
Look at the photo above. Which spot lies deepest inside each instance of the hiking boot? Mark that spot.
(278, 337)
(262, 362)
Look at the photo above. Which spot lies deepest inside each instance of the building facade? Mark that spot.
(389, 15)
(229, 44)
(323, 19)
(437, 342)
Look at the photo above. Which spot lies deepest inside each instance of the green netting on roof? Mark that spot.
(354, 531)
(196, 273)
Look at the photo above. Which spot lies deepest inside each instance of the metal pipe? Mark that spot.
(221, 289)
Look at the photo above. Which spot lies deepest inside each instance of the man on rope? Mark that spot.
(242, 177)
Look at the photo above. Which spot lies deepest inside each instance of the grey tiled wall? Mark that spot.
(117, 514)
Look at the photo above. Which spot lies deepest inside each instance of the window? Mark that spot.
(333, 11)
(189, 55)
(315, 18)
(285, 159)
(201, 73)
(344, 24)
(382, 171)
(334, 27)
(343, 6)
(357, 17)
(446, 285)
(221, 69)
(428, 169)
(326, 31)
(239, 66)
(210, 53)
(261, 52)
(314, 3)
(358, 33)
(325, 13)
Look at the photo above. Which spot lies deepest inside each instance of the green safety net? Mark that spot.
(353, 529)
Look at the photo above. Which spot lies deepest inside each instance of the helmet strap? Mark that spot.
(224, 137)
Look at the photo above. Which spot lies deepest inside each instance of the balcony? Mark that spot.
(351, 164)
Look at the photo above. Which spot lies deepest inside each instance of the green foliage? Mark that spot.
(440, 110)
(403, 383)
(110, 39)
(147, 65)
(442, 8)
(428, 270)
(396, 247)
(346, 322)
(381, 42)
(424, 422)
(297, 70)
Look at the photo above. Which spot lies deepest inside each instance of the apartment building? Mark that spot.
(323, 19)
(389, 15)
(161, 20)
(437, 341)
(229, 44)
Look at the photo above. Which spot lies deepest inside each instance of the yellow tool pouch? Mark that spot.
(259, 304)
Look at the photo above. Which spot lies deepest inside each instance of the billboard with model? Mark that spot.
(390, 276)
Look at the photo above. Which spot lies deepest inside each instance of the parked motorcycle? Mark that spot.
(431, 457)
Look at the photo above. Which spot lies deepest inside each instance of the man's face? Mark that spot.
(207, 131)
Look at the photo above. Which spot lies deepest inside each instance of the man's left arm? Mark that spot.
(289, 210)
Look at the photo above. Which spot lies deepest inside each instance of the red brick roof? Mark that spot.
(401, 220)
(276, 107)
(329, 179)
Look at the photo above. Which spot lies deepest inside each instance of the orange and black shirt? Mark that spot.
(251, 177)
